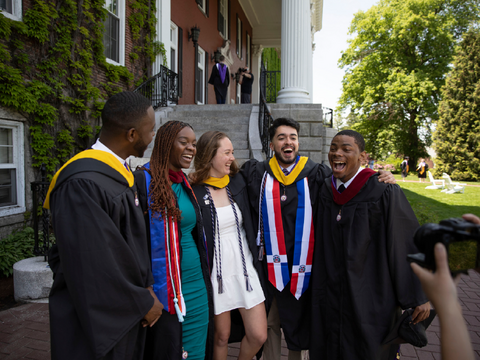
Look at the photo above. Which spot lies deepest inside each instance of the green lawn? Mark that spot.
(433, 205)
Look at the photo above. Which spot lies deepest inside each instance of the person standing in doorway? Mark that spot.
(246, 81)
(220, 79)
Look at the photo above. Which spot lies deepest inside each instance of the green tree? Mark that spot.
(395, 67)
(457, 137)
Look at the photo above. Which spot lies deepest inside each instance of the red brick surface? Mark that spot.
(24, 330)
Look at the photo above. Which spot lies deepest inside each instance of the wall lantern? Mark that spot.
(194, 34)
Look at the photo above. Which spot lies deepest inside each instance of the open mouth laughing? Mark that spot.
(339, 165)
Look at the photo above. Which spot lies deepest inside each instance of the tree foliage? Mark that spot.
(395, 67)
(457, 137)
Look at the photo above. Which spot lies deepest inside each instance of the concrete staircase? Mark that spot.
(232, 119)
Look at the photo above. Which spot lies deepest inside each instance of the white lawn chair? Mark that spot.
(436, 184)
(452, 187)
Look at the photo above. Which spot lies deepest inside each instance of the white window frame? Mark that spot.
(201, 65)
(173, 46)
(247, 61)
(203, 7)
(121, 40)
(18, 165)
(239, 93)
(16, 13)
(224, 5)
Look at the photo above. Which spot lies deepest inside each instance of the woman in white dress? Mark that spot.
(236, 272)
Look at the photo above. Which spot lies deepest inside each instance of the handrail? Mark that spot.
(161, 89)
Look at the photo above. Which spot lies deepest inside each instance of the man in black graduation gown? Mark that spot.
(101, 298)
(220, 79)
(361, 277)
(285, 310)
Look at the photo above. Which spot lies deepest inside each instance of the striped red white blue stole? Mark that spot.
(277, 262)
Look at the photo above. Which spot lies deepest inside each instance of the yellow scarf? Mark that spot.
(290, 178)
(99, 155)
(218, 182)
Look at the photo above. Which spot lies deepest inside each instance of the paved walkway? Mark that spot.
(24, 330)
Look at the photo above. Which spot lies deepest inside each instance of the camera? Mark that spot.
(460, 238)
(242, 70)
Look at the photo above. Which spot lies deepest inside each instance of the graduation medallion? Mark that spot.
(339, 216)
(205, 199)
(136, 200)
(283, 197)
(184, 354)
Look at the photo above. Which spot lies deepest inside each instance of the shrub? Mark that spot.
(15, 247)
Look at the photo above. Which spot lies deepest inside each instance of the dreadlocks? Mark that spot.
(161, 193)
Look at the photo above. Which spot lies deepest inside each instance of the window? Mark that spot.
(203, 5)
(248, 51)
(12, 182)
(174, 47)
(239, 37)
(223, 18)
(11, 9)
(114, 32)
(200, 83)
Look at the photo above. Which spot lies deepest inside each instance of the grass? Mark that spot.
(433, 206)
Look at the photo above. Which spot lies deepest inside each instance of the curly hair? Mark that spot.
(161, 193)
(207, 147)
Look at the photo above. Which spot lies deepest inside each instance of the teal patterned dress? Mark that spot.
(195, 325)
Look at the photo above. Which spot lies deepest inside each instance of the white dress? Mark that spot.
(235, 294)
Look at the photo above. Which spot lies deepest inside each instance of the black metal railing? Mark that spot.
(161, 89)
(269, 84)
(41, 216)
(328, 117)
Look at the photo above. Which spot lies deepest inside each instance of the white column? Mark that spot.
(256, 69)
(296, 50)
(163, 32)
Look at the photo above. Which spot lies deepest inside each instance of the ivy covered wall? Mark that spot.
(53, 71)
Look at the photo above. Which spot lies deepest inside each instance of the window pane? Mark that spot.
(172, 60)
(6, 5)
(6, 136)
(6, 146)
(111, 37)
(8, 188)
(112, 6)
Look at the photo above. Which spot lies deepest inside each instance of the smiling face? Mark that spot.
(223, 159)
(345, 157)
(285, 145)
(183, 150)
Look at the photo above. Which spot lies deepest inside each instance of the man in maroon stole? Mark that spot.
(360, 276)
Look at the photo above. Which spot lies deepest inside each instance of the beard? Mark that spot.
(139, 148)
(284, 161)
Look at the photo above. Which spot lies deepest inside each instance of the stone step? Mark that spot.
(212, 107)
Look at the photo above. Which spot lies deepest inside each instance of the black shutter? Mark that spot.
(196, 74)
(199, 2)
(236, 35)
(207, 7)
(229, 19)
(180, 61)
(220, 20)
(206, 78)
(241, 40)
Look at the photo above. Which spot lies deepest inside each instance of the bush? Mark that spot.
(15, 247)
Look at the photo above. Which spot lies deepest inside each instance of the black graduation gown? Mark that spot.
(164, 339)
(239, 193)
(294, 314)
(100, 265)
(216, 81)
(361, 277)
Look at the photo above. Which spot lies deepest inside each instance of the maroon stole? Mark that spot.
(353, 188)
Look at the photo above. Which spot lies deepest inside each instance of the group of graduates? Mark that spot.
(154, 264)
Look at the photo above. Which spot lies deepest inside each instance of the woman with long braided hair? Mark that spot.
(177, 249)
(236, 272)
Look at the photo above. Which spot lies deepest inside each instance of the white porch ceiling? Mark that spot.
(265, 16)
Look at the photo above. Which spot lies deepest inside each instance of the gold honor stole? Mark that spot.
(277, 262)
(219, 183)
(99, 155)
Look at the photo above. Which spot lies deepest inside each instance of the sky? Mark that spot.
(329, 43)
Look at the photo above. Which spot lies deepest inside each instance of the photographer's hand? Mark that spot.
(472, 218)
(441, 290)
